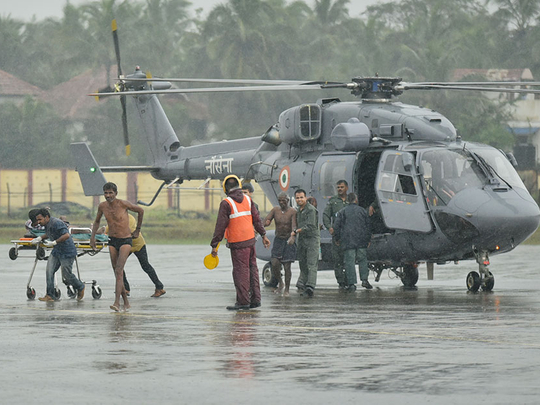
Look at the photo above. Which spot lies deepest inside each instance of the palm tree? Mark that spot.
(11, 44)
(99, 15)
(160, 34)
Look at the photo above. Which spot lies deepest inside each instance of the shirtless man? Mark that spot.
(120, 236)
(283, 248)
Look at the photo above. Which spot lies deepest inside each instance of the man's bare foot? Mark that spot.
(279, 288)
(286, 293)
(115, 308)
(127, 307)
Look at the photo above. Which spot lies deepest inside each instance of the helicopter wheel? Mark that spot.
(489, 282)
(473, 281)
(268, 278)
(410, 275)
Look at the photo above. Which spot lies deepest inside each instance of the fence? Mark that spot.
(25, 188)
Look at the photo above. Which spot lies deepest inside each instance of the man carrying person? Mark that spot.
(283, 252)
(352, 231)
(120, 236)
(238, 215)
(308, 243)
(63, 254)
(335, 204)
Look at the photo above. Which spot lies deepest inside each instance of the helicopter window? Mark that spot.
(375, 123)
(394, 163)
(310, 118)
(397, 183)
(331, 173)
(501, 165)
(447, 172)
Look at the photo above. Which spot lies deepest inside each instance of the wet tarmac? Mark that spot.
(435, 344)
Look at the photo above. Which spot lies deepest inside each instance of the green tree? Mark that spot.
(98, 17)
(11, 44)
(32, 136)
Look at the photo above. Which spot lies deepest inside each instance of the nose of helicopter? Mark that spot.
(503, 219)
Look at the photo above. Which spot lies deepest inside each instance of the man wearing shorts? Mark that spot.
(120, 236)
(283, 247)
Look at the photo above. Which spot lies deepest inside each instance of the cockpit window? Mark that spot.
(501, 165)
(447, 172)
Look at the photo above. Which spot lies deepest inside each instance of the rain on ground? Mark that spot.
(434, 344)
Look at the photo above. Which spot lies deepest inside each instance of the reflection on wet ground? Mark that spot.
(436, 343)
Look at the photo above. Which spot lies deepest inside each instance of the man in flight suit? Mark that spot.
(238, 216)
(336, 204)
(308, 243)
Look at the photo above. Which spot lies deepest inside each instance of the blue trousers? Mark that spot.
(53, 264)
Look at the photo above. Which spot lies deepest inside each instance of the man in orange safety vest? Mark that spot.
(239, 219)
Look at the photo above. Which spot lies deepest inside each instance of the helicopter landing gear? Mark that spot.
(377, 269)
(268, 278)
(409, 275)
(485, 279)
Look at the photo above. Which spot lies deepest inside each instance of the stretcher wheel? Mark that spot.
(13, 253)
(40, 253)
(31, 293)
(71, 291)
(96, 292)
(57, 293)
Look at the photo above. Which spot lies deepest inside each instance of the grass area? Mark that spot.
(534, 239)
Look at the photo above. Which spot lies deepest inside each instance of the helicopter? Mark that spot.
(440, 198)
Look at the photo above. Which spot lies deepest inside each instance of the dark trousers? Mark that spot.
(246, 276)
(142, 255)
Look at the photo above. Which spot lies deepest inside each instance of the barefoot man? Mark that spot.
(283, 248)
(120, 236)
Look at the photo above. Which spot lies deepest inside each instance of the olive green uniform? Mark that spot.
(308, 242)
(335, 204)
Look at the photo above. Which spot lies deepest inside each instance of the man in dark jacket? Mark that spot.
(238, 216)
(352, 231)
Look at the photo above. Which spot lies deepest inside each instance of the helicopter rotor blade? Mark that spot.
(116, 46)
(479, 83)
(415, 86)
(114, 27)
(225, 81)
(106, 89)
(125, 125)
(217, 90)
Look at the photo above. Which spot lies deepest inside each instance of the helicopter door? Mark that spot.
(400, 197)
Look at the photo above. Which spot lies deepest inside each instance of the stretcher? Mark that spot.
(81, 239)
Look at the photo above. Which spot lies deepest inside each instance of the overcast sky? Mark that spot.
(41, 9)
